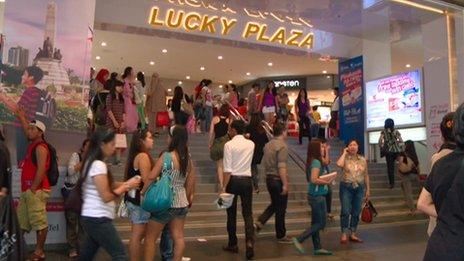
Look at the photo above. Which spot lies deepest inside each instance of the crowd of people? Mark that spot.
(242, 135)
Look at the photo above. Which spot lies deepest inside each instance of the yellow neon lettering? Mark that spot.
(153, 15)
(227, 25)
(250, 28)
(262, 31)
(279, 36)
(178, 20)
(208, 24)
(308, 41)
(292, 40)
(188, 18)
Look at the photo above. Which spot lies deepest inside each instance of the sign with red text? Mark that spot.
(398, 97)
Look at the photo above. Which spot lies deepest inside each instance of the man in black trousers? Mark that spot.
(238, 153)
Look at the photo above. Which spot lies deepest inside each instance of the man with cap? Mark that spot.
(35, 187)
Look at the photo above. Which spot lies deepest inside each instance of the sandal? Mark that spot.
(34, 257)
(356, 239)
(73, 254)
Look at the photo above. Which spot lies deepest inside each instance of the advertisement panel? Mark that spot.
(398, 97)
(352, 101)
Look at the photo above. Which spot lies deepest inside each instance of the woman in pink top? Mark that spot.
(130, 108)
(268, 102)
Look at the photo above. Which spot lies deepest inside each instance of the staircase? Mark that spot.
(204, 221)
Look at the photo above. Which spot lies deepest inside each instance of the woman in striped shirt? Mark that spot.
(179, 165)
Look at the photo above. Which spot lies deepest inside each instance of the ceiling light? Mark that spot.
(164, 50)
(420, 6)
(220, 86)
(219, 57)
(187, 77)
(152, 63)
(230, 81)
(248, 73)
(328, 76)
(270, 64)
(408, 65)
(169, 90)
(179, 82)
(98, 57)
(324, 72)
(202, 68)
(103, 44)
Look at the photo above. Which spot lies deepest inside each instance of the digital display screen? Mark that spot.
(398, 97)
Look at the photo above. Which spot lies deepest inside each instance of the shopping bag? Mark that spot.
(224, 201)
(160, 194)
(12, 244)
(162, 119)
(121, 141)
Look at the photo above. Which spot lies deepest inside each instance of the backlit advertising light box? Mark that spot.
(398, 97)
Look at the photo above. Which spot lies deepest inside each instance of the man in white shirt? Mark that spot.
(238, 154)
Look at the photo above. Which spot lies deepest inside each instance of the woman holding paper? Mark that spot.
(353, 187)
(317, 191)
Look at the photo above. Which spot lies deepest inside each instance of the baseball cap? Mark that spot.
(38, 124)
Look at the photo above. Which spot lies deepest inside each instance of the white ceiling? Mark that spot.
(184, 58)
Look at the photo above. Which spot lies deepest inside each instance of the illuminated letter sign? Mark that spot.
(287, 83)
(193, 21)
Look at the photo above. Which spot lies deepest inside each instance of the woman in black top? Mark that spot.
(179, 102)
(218, 136)
(257, 134)
(446, 185)
(140, 163)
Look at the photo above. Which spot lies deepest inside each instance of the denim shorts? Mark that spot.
(136, 214)
(168, 215)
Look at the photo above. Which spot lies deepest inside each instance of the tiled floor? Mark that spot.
(393, 242)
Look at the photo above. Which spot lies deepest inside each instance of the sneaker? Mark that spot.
(322, 252)
(284, 240)
(184, 258)
(299, 247)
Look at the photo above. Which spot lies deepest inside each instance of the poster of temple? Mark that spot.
(55, 37)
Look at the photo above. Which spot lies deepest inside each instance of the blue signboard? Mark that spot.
(352, 101)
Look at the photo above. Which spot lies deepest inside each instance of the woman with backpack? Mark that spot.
(176, 163)
(408, 167)
(390, 143)
(99, 193)
(73, 226)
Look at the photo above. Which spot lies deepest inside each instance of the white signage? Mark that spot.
(287, 83)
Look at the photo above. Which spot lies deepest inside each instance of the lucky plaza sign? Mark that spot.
(221, 25)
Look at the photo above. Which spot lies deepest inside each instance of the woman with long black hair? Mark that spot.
(99, 193)
(408, 167)
(139, 90)
(268, 102)
(302, 109)
(257, 134)
(179, 107)
(390, 143)
(116, 113)
(182, 174)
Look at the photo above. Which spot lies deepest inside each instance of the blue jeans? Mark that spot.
(166, 245)
(208, 113)
(318, 221)
(351, 199)
(315, 130)
(100, 232)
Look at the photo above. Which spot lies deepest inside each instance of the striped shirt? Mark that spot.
(178, 184)
(117, 108)
(28, 102)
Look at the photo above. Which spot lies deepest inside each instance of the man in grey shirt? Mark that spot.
(252, 101)
(275, 164)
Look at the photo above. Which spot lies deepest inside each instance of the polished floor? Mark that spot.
(405, 241)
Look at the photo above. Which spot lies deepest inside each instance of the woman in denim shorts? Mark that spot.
(177, 163)
(140, 163)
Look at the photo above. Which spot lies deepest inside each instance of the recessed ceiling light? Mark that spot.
(98, 57)
(202, 68)
(169, 90)
(408, 65)
(270, 64)
(328, 76)
(324, 72)
(248, 73)
(179, 82)
(220, 86)
(103, 43)
(164, 50)
(220, 57)
(152, 63)
(230, 81)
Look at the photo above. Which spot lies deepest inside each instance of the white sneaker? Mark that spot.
(184, 258)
